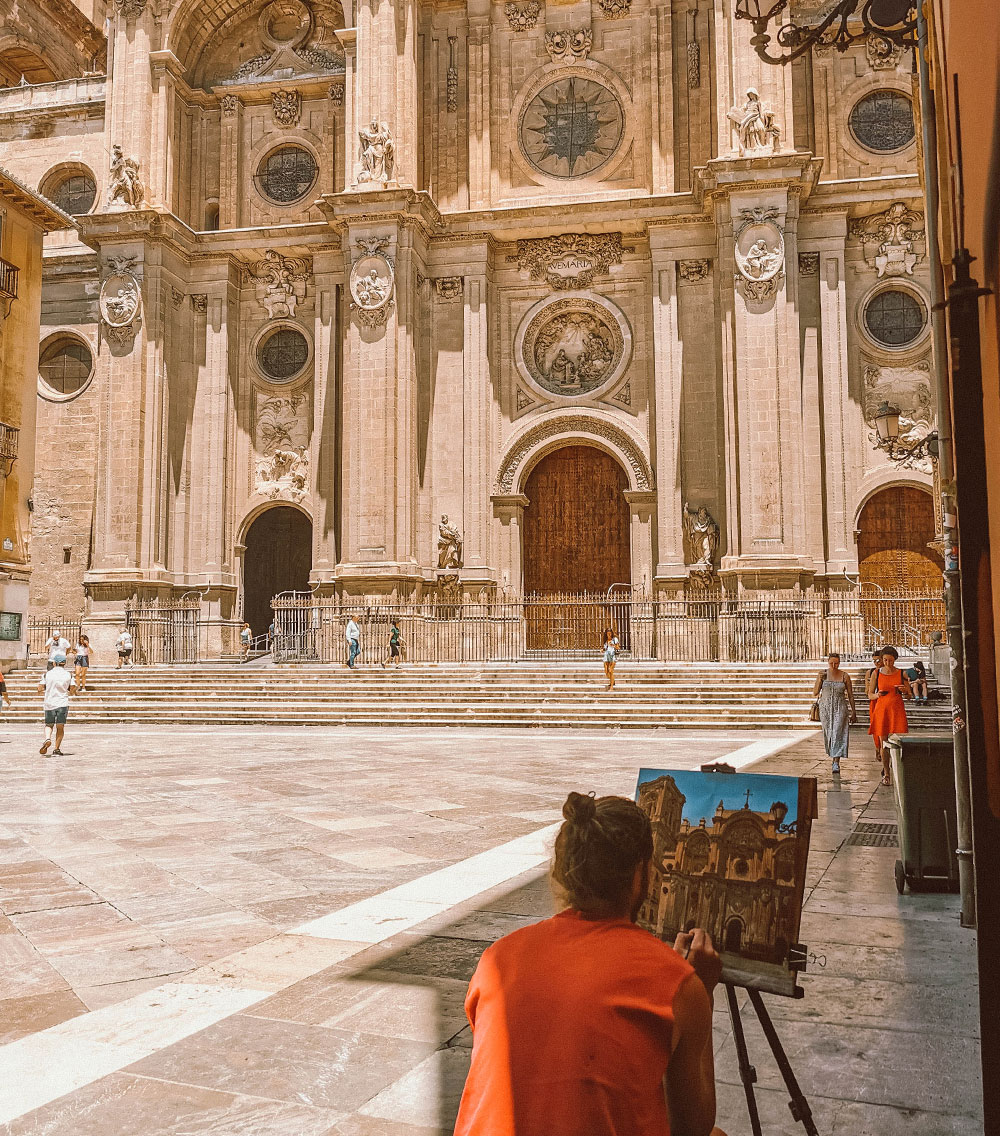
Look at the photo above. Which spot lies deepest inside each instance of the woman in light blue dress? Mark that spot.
(610, 651)
(837, 713)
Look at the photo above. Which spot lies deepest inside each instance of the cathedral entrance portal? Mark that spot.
(576, 542)
(278, 558)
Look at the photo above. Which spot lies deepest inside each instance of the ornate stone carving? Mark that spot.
(808, 263)
(760, 253)
(581, 425)
(125, 188)
(120, 299)
(756, 130)
(574, 345)
(553, 148)
(372, 282)
(523, 401)
(615, 9)
(199, 301)
(909, 388)
(451, 80)
(701, 543)
(522, 17)
(565, 46)
(624, 396)
(281, 282)
(883, 55)
(130, 9)
(694, 64)
(691, 271)
(449, 587)
(230, 105)
(286, 107)
(282, 423)
(282, 474)
(570, 260)
(176, 297)
(450, 546)
(889, 239)
(378, 153)
(337, 93)
(450, 287)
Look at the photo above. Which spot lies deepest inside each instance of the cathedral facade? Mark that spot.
(583, 290)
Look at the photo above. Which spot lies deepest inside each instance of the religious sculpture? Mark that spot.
(281, 282)
(120, 300)
(449, 545)
(755, 125)
(284, 473)
(378, 152)
(121, 307)
(373, 290)
(125, 186)
(760, 260)
(371, 282)
(701, 542)
(759, 249)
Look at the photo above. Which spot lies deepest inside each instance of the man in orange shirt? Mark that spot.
(585, 1024)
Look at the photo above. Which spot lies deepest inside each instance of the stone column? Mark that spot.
(642, 506)
(662, 109)
(130, 96)
(478, 409)
(231, 163)
(508, 508)
(166, 71)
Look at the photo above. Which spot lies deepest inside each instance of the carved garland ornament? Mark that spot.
(522, 17)
(578, 424)
(570, 260)
(451, 79)
(760, 254)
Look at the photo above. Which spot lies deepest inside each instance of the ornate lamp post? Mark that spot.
(894, 21)
(887, 438)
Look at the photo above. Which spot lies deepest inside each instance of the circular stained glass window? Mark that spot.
(74, 194)
(283, 354)
(895, 318)
(883, 121)
(571, 127)
(64, 366)
(286, 174)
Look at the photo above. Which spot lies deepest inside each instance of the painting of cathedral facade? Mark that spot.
(570, 274)
(729, 856)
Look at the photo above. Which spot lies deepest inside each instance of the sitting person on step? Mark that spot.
(585, 1024)
(917, 674)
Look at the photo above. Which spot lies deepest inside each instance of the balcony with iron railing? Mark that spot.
(8, 280)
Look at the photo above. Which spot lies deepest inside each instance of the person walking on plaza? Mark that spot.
(246, 638)
(55, 645)
(124, 645)
(869, 678)
(887, 687)
(353, 635)
(917, 674)
(3, 692)
(83, 653)
(395, 645)
(585, 1024)
(57, 686)
(610, 648)
(834, 694)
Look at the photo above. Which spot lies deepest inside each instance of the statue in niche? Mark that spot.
(701, 541)
(378, 152)
(755, 125)
(449, 545)
(125, 186)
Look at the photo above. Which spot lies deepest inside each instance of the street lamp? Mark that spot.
(894, 21)
(887, 438)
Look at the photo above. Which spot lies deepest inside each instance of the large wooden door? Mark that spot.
(896, 526)
(278, 558)
(576, 524)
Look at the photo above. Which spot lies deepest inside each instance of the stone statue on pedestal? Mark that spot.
(449, 545)
(378, 152)
(124, 185)
(755, 125)
(701, 540)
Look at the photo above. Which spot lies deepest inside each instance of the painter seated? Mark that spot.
(585, 1024)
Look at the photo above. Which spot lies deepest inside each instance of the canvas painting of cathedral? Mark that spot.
(729, 856)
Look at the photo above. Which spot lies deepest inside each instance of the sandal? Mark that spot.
(886, 781)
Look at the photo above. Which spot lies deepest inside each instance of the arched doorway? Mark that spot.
(894, 530)
(576, 525)
(278, 558)
(734, 935)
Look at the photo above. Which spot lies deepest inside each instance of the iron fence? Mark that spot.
(165, 632)
(40, 628)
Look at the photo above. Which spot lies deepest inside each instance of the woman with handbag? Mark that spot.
(834, 708)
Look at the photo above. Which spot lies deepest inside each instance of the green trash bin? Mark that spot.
(923, 776)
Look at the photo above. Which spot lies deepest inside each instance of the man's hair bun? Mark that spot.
(580, 808)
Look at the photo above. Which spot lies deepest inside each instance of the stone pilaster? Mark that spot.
(128, 122)
(328, 275)
(508, 508)
(477, 397)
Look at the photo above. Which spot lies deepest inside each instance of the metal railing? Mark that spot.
(40, 628)
(8, 441)
(8, 279)
(168, 632)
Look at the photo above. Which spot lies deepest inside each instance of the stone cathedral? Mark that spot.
(380, 296)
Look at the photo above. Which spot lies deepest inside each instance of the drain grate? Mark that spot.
(868, 834)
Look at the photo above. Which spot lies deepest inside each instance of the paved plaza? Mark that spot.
(270, 931)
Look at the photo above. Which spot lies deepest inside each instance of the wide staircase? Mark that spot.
(566, 695)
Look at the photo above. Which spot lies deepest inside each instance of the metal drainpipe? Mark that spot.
(946, 460)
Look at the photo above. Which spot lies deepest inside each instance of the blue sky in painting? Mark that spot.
(703, 791)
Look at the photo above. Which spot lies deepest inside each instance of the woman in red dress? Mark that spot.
(886, 689)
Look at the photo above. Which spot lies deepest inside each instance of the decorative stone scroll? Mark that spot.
(522, 17)
(808, 263)
(693, 271)
(756, 131)
(286, 107)
(570, 260)
(565, 46)
(451, 80)
(281, 282)
(760, 253)
(230, 105)
(701, 543)
(883, 54)
(372, 282)
(889, 239)
(615, 9)
(378, 153)
(120, 300)
(125, 188)
(337, 91)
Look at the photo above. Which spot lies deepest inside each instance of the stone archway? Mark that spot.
(278, 558)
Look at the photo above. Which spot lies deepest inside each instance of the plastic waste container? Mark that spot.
(923, 776)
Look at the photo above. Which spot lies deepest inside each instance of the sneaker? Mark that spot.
(45, 747)
(58, 753)
(836, 767)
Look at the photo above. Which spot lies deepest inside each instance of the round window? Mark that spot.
(895, 318)
(571, 127)
(283, 354)
(286, 174)
(883, 121)
(74, 194)
(64, 366)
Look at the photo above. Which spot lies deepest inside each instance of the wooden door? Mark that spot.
(896, 527)
(278, 558)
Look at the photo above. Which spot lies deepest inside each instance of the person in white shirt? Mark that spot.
(124, 645)
(57, 685)
(353, 636)
(55, 645)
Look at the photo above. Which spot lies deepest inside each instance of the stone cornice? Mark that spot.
(795, 172)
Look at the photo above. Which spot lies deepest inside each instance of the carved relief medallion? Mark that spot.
(120, 300)
(573, 345)
(372, 282)
(760, 253)
(571, 127)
